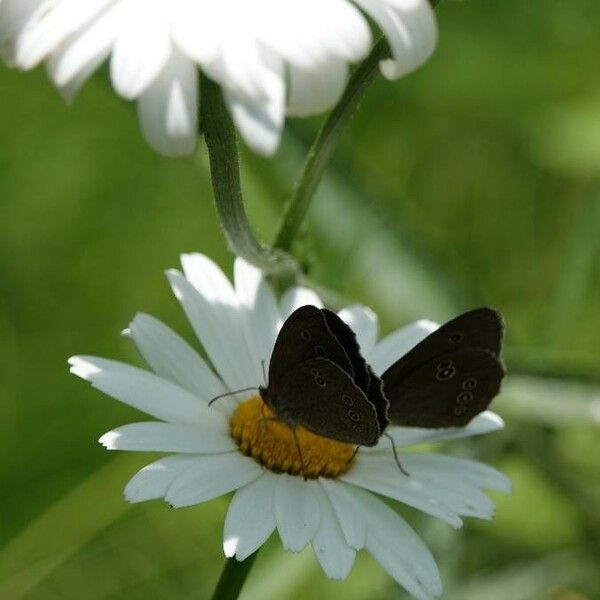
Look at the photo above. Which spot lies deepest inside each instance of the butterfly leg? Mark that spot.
(389, 437)
(353, 455)
(303, 470)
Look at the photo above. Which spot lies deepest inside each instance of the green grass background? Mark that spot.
(474, 181)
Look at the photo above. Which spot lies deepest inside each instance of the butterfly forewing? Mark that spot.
(480, 328)
(446, 392)
(305, 335)
(322, 397)
(377, 398)
(347, 338)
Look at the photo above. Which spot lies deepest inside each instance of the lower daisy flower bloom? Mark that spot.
(325, 498)
(270, 57)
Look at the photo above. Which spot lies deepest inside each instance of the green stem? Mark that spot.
(324, 146)
(233, 578)
(220, 137)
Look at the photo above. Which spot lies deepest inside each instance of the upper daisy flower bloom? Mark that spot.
(321, 498)
(270, 57)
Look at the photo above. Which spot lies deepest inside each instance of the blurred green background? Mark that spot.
(475, 181)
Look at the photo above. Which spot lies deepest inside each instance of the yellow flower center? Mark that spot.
(272, 443)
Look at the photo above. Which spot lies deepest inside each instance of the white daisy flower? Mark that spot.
(270, 57)
(228, 447)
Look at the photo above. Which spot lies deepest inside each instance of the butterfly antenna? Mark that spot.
(299, 452)
(353, 455)
(231, 394)
(389, 437)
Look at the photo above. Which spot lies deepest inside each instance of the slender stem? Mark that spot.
(233, 578)
(322, 150)
(221, 142)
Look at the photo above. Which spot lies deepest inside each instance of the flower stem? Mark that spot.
(322, 149)
(324, 146)
(233, 578)
(221, 142)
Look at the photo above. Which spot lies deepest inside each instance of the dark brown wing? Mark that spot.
(480, 328)
(377, 398)
(305, 335)
(320, 396)
(447, 391)
(347, 338)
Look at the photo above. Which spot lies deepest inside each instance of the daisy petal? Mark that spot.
(387, 479)
(332, 551)
(471, 471)
(153, 481)
(410, 29)
(81, 54)
(399, 550)
(295, 297)
(363, 321)
(211, 476)
(348, 512)
(167, 437)
(264, 319)
(168, 108)
(486, 422)
(315, 90)
(397, 344)
(296, 512)
(435, 486)
(171, 357)
(145, 391)
(217, 321)
(250, 519)
(139, 53)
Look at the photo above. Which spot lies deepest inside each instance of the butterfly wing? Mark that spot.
(305, 335)
(322, 397)
(347, 339)
(445, 392)
(475, 335)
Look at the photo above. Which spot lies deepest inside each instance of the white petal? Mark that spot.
(145, 391)
(296, 512)
(211, 476)
(410, 29)
(486, 422)
(317, 89)
(141, 49)
(213, 311)
(471, 471)
(171, 357)
(348, 512)
(250, 518)
(384, 477)
(168, 108)
(332, 551)
(399, 550)
(82, 53)
(259, 121)
(363, 321)
(168, 437)
(308, 32)
(263, 317)
(153, 481)
(295, 297)
(49, 28)
(397, 344)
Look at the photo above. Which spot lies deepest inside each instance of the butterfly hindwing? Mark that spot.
(447, 391)
(303, 336)
(320, 396)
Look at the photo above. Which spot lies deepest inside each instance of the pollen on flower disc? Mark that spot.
(272, 443)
